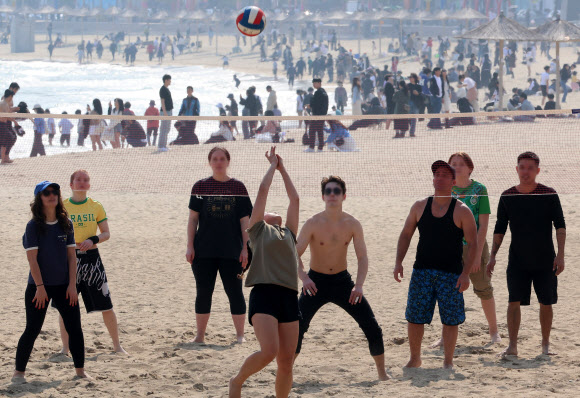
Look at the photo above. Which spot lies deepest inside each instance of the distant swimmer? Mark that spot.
(531, 210)
(273, 274)
(237, 81)
(439, 274)
(329, 233)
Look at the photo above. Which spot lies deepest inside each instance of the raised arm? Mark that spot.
(292, 215)
(405, 240)
(260, 204)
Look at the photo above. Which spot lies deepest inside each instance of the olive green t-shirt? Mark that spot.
(274, 256)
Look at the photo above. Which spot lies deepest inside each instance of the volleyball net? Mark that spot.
(360, 149)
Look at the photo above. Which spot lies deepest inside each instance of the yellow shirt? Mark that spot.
(85, 216)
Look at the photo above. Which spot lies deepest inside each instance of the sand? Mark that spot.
(153, 288)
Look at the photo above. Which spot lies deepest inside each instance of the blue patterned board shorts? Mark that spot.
(428, 286)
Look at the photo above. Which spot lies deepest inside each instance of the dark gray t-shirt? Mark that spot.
(52, 244)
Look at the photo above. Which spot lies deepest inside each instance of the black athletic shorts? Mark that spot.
(544, 91)
(277, 301)
(520, 281)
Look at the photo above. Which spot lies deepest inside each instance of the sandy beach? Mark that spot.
(153, 290)
(152, 286)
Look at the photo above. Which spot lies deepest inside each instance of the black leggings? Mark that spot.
(71, 317)
(316, 128)
(205, 271)
(336, 289)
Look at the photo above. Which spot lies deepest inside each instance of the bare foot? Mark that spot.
(546, 350)
(235, 389)
(414, 363)
(240, 339)
(81, 374)
(199, 339)
(383, 376)
(63, 352)
(508, 351)
(448, 366)
(436, 344)
(495, 338)
(121, 350)
(8, 161)
(18, 377)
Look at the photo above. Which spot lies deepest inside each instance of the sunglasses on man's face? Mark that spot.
(336, 191)
(48, 192)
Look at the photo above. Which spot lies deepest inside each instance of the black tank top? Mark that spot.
(440, 241)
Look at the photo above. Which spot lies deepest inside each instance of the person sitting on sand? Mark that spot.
(224, 133)
(439, 274)
(339, 138)
(273, 274)
(530, 209)
(217, 237)
(329, 234)
(88, 214)
(50, 248)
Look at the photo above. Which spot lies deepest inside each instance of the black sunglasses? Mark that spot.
(335, 190)
(48, 192)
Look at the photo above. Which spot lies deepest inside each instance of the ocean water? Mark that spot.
(69, 86)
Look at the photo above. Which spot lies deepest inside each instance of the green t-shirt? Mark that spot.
(475, 197)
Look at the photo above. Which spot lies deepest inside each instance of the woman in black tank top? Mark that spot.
(440, 241)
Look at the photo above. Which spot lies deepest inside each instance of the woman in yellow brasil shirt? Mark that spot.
(86, 215)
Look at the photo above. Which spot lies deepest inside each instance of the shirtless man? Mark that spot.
(439, 273)
(329, 233)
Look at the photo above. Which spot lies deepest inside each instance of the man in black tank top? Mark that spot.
(438, 273)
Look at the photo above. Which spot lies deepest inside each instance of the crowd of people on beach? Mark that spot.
(229, 234)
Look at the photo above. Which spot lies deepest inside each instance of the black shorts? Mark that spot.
(92, 282)
(520, 280)
(277, 301)
(544, 91)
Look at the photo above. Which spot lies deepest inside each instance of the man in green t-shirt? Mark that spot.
(474, 195)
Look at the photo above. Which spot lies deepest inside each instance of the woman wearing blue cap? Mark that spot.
(50, 248)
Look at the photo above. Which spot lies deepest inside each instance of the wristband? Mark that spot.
(95, 239)
(42, 284)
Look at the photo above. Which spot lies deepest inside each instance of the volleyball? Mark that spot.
(251, 21)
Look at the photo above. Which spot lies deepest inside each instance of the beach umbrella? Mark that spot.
(66, 11)
(6, 8)
(113, 11)
(558, 31)
(197, 16)
(467, 14)
(399, 16)
(216, 19)
(24, 11)
(358, 17)
(129, 14)
(337, 16)
(93, 12)
(46, 10)
(421, 16)
(500, 29)
(441, 15)
(182, 14)
(280, 17)
(160, 15)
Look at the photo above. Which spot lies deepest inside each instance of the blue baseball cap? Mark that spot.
(41, 186)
